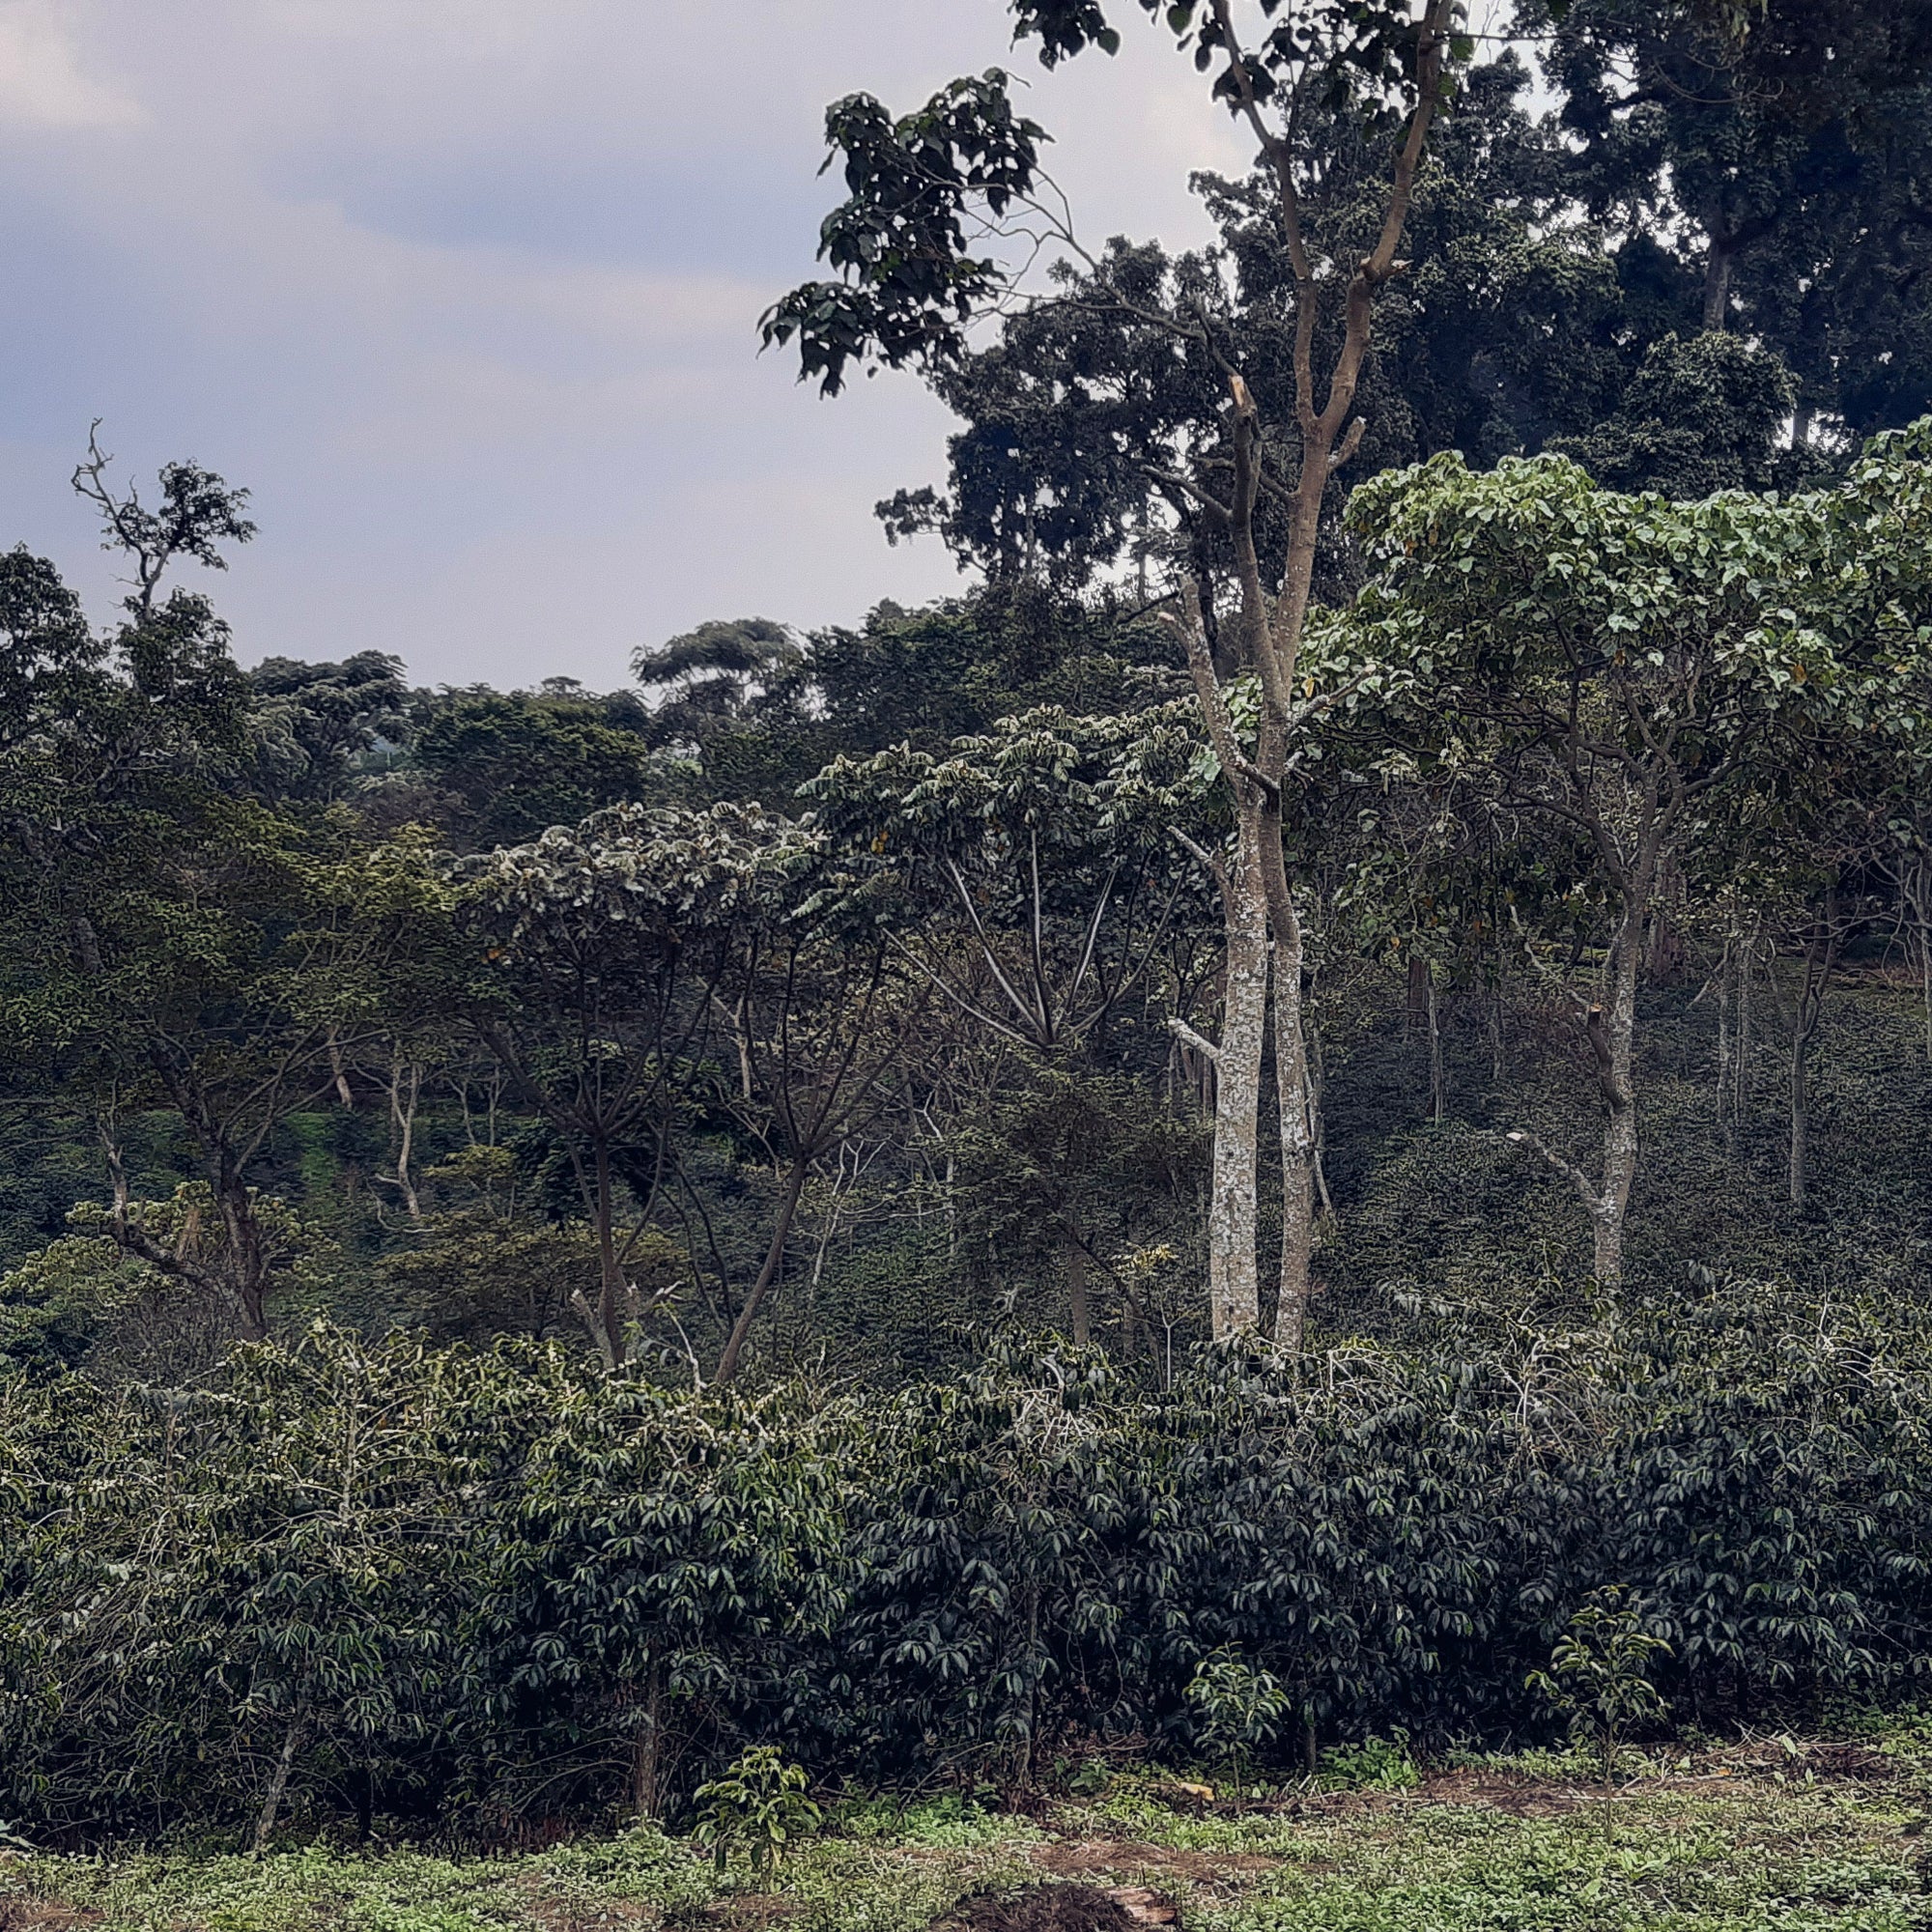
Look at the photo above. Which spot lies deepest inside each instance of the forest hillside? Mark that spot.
(1281, 1148)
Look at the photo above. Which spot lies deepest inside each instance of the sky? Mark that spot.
(465, 293)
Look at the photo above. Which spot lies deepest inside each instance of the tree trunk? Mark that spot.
(1318, 1081)
(1499, 1040)
(647, 1749)
(1717, 284)
(1801, 1125)
(610, 1336)
(1806, 1012)
(278, 1784)
(1723, 985)
(1741, 1068)
(1233, 1289)
(1925, 979)
(734, 1346)
(1915, 879)
(248, 1254)
(1296, 1094)
(1417, 1011)
(1073, 1264)
(1439, 1097)
(403, 1113)
(343, 1095)
(1613, 1036)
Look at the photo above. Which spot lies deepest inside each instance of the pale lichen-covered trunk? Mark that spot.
(1612, 1036)
(1232, 1276)
(1296, 1093)
(1257, 889)
(1620, 1125)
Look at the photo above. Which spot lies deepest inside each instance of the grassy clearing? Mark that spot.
(1768, 1835)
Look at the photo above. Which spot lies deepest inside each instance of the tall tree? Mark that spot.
(172, 941)
(603, 947)
(901, 242)
(1032, 879)
(1788, 166)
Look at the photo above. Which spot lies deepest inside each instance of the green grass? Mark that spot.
(1776, 1835)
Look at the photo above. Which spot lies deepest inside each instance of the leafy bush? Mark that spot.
(488, 1591)
(1238, 1709)
(1376, 1764)
(1599, 1674)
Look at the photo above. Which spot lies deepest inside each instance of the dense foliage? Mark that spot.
(420, 1582)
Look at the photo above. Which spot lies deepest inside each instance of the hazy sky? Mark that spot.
(466, 292)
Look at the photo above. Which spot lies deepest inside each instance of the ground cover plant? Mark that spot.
(1767, 1830)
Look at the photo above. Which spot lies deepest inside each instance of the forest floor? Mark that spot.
(1770, 1831)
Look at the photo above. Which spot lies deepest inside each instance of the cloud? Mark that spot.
(467, 292)
(41, 81)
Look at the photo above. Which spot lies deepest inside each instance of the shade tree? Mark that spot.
(500, 767)
(1033, 879)
(1622, 663)
(174, 941)
(1784, 168)
(927, 192)
(824, 1034)
(920, 188)
(314, 723)
(602, 947)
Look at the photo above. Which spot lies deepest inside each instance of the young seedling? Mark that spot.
(1599, 1675)
(1238, 1709)
(757, 1806)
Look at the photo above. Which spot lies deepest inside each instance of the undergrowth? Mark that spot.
(1781, 1832)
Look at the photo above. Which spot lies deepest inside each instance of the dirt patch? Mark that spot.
(1519, 1797)
(1062, 1908)
(1860, 1761)
(40, 1914)
(750, 1912)
(1082, 1857)
(1087, 1857)
(1857, 1762)
(555, 1914)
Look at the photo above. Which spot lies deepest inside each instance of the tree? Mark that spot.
(712, 675)
(513, 764)
(1786, 166)
(1085, 420)
(1698, 416)
(1032, 878)
(901, 242)
(314, 722)
(171, 939)
(1619, 663)
(603, 948)
(1789, 862)
(828, 1031)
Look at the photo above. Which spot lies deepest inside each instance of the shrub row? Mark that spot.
(390, 1579)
